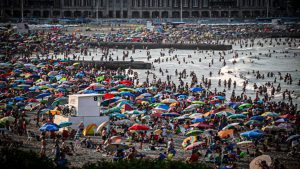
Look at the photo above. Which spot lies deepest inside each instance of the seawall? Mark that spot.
(117, 64)
(139, 45)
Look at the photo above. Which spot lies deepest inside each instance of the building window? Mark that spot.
(77, 3)
(205, 3)
(168, 3)
(67, 3)
(176, 3)
(195, 3)
(185, 3)
(138, 3)
(160, 3)
(125, 4)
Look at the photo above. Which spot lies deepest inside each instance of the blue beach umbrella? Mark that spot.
(49, 127)
(252, 134)
(170, 114)
(42, 95)
(196, 89)
(64, 124)
(198, 120)
(258, 118)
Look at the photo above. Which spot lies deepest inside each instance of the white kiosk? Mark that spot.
(87, 108)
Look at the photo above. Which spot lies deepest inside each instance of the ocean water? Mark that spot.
(284, 59)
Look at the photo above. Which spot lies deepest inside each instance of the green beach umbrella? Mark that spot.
(194, 133)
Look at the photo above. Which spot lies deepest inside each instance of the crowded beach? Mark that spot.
(164, 113)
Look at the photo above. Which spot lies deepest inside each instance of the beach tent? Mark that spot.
(89, 130)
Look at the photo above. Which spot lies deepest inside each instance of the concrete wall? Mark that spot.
(118, 64)
(129, 45)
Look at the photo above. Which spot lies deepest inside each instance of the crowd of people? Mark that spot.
(220, 131)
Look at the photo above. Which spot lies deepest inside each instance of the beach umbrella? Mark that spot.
(253, 122)
(162, 107)
(293, 137)
(108, 96)
(115, 140)
(115, 146)
(196, 89)
(219, 97)
(112, 110)
(197, 120)
(42, 95)
(156, 115)
(252, 134)
(245, 105)
(64, 124)
(192, 107)
(44, 111)
(59, 101)
(138, 127)
(224, 113)
(225, 133)
(182, 96)
(185, 116)
(188, 141)
(169, 101)
(119, 76)
(257, 118)
(136, 112)
(201, 125)
(49, 127)
(101, 126)
(256, 162)
(157, 95)
(173, 114)
(272, 128)
(124, 121)
(53, 112)
(129, 94)
(77, 63)
(34, 88)
(272, 115)
(237, 116)
(146, 95)
(195, 145)
(281, 120)
(194, 133)
(126, 107)
(19, 98)
(147, 117)
(126, 82)
(119, 115)
(198, 102)
(140, 90)
(196, 115)
(232, 126)
(126, 89)
(288, 116)
(106, 102)
(285, 126)
(244, 143)
(157, 132)
(7, 119)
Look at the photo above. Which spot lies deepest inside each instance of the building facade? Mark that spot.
(143, 8)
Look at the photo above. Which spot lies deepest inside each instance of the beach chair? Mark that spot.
(29, 136)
